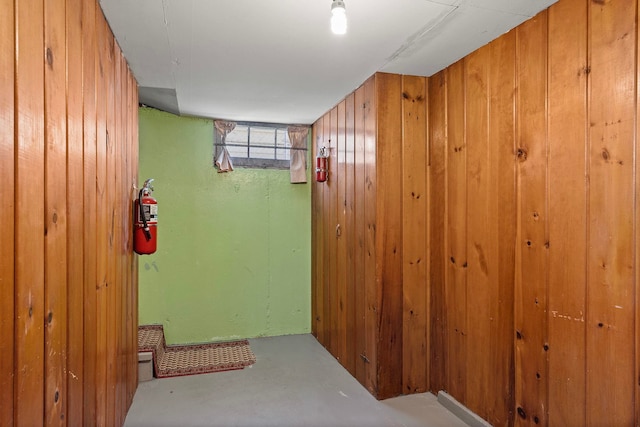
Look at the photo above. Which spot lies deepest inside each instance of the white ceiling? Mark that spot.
(277, 61)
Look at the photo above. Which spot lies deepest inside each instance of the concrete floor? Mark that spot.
(295, 382)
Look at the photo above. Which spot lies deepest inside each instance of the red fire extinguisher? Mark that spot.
(145, 225)
(322, 162)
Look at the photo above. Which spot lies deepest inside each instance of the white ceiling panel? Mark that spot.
(527, 8)
(279, 62)
(465, 29)
(143, 39)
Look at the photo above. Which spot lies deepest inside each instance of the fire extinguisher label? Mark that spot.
(150, 213)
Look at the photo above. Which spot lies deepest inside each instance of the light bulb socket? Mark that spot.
(337, 4)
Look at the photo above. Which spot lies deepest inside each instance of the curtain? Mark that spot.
(298, 162)
(221, 157)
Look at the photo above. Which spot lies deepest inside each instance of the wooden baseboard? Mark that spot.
(461, 411)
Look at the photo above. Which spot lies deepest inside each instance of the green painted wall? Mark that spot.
(233, 257)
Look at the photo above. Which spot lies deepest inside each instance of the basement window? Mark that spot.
(260, 145)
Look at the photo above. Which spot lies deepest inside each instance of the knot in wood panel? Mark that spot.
(521, 154)
(49, 57)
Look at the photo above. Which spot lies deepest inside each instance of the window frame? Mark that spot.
(260, 163)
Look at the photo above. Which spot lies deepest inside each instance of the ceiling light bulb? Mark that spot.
(338, 17)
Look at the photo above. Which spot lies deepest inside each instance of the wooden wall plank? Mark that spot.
(371, 315)
(131, 320)
(133, 99)
(315, 221)
(456, 232)
(317, 240)
(414, 235)
(7, 193)
(332, 184)
(119, 240)
(531, 376)
(29, 214)
(102, 220)
(567, 211)
(427, 255)
(119, 237)
(328, 237)
(388, 232)
(90, 325)
(610, 280)
(129, 351)
(340, 236)
(132, 261)
(481, 259)
(125, 191)
(111, 140)
(55, 351)
(360, 309)
(75, 213)
(438, 378)
(349, 231)
(637, 226)
(502, 210)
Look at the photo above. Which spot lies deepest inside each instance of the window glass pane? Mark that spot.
(261, 152)
(282, 138)
(237, 151)
(240, 135)
(283, 154)
(262, 136)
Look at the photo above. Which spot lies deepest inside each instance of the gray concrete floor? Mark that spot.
(295, 382)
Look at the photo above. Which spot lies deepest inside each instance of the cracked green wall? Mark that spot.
(233, 257)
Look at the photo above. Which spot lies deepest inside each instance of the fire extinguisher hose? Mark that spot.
(145, 228)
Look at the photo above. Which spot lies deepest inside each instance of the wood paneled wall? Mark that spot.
(473, 211)
(540, 220)
(68, 161)
(359, 296)
(526, 306)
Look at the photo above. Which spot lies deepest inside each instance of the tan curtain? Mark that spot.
(298, 162)
(221, 157)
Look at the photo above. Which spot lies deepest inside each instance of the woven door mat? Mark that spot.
(179, 360)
